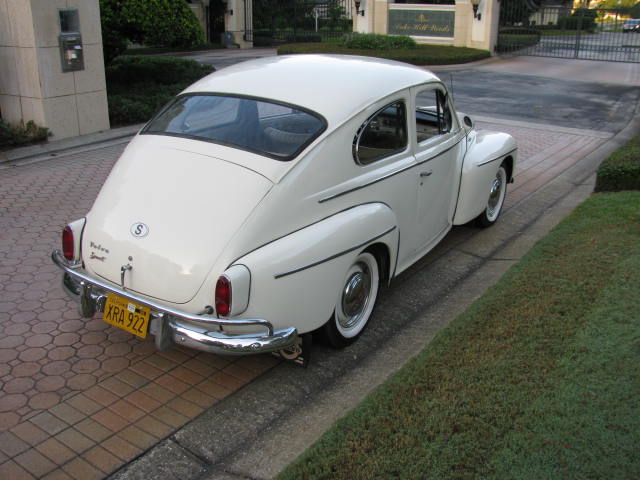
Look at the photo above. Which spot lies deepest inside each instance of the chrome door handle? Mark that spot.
(426, 174)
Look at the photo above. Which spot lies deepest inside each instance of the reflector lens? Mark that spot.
(68, 245)
(223, 296)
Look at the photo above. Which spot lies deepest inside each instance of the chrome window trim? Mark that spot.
(356, 139)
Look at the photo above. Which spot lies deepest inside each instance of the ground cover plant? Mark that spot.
(21, 134)
(416, 54)
(138, 86)
(376, 41)
(538, 379)
(621, 170)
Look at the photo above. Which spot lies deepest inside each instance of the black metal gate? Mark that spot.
(299, 21)
(527, 28)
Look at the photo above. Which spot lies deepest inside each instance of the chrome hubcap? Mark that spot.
(354, 298)
(495, 197)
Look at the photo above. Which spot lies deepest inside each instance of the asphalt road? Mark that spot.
(540, 99)
(551, 91)
(258, 430)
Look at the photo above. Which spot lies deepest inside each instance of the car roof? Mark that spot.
(336, 86)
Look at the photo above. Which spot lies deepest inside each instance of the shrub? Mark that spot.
(580, 19)
(21, 134)
(303, 38)
(621, 170)
(510, 39)
(375, 41)
(138, 86)
(130, 69)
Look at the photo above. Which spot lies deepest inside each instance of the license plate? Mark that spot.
(126, 315)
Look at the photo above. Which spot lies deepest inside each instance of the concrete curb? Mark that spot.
(67, 145)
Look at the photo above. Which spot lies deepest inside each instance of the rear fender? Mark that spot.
(295, 280)
(486, 151)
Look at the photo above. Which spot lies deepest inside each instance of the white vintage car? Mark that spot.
(273, 198)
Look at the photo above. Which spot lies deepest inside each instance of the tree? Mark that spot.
(513, 12)
(616, 4)
(150, 22)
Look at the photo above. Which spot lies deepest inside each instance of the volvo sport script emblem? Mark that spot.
(139, 229)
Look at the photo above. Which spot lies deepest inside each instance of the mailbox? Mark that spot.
(71, 54)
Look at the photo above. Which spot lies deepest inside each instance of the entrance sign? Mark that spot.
(423, 23)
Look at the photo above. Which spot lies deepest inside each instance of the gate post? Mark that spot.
(235, 23)
(52, 67)
(477, 33)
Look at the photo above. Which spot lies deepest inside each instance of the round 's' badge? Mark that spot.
(139, 229)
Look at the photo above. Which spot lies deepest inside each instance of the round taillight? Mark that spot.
(68, 244)
(223, 296)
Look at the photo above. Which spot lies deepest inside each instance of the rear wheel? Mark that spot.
(498, 191)
(355, 302)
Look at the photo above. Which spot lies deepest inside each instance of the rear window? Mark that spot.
(276, 130)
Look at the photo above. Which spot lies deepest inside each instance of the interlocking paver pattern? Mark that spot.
(79, 398)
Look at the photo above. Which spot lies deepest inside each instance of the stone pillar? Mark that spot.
(471, 32)
(238, 13)
(375, 17)
(33, 85)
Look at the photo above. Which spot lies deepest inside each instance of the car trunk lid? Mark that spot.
(165, 215)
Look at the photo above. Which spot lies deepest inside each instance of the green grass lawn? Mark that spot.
(539, 379)
(420, 55)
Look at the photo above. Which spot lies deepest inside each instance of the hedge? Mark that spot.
(621, 170)
(138, 85)
(420, 55)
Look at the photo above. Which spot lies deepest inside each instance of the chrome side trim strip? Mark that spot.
(496, 158)
(388, 175)
(372, 182)
(311, 265)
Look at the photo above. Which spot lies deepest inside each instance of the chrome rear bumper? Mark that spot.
(170, 326)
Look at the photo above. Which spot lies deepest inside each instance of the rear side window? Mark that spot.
(272, 129)
(382, 135)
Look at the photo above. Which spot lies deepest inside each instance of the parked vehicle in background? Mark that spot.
(631, 26)
(273, 198)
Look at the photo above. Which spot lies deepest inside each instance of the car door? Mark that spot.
(438, 150)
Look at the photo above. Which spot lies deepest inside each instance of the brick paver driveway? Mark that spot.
(78, 398)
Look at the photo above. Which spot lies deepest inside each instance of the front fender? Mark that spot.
(295, 280)
(485, 153)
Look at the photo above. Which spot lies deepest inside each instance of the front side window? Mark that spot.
(272, 129)
(382, 135)
(433, 116)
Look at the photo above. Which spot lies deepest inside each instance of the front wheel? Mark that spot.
(497, 193)
(355, 302)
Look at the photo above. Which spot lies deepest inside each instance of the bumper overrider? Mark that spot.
(170, 326)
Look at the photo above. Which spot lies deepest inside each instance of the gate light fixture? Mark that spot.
(475, 4)
(358, 11)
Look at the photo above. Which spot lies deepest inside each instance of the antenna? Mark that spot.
(451, 89)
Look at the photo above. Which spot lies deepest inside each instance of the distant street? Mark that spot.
(617, 46)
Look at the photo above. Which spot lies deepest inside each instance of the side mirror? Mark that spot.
(467, 121)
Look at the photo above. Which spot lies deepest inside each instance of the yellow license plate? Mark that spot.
(126, 315)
